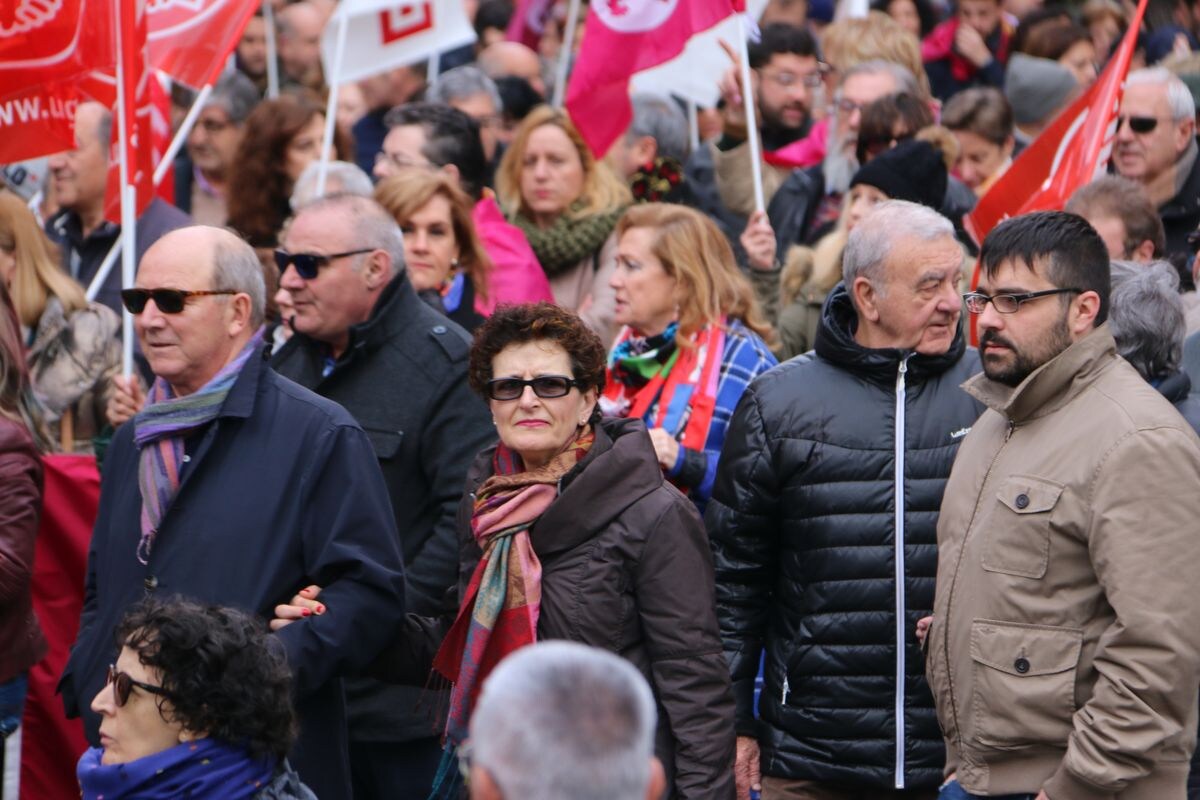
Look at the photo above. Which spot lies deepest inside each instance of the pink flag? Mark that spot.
(622, 38)
(528, 22)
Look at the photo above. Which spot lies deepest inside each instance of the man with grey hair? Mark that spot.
(564, 721)
(472, 92)
(341, 177)
(364, 339)
(1146, 318)
(1155, 145)
(658, 129)
(234, 486)
(202, 174)
(823, 522)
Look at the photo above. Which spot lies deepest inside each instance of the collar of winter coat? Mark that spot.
(1052, 385)
(836, 343)
(393, 306)
(619, 470)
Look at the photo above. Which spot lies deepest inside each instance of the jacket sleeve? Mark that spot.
(1144, 510)
(352, 549)
(680, 626)
(450, 439)
(743, 529)
(20, 507)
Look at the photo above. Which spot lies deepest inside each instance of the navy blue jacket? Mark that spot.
(281, 491)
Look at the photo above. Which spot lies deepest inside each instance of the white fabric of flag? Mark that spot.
(384, 34)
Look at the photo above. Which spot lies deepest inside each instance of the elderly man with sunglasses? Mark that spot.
(367, 341)
(1155, 145)
(234, 486)
(1064, 654)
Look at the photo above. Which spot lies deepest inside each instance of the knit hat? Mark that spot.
(1036, 88)
(912, 170)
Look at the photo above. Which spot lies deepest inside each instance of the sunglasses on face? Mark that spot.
(307, 264)
(123, 684)
(544, 386)
(168, 301)
(1138, 124)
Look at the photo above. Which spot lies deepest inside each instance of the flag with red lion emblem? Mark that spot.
(622, 38)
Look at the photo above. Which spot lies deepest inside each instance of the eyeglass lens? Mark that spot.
(169, 301)
(1138, 124)
(546, 387)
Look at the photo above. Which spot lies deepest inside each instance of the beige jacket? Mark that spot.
(584, 289)
(1065, 647)
(735, 179)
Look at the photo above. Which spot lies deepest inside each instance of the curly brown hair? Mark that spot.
(537, 322)
(224, 674)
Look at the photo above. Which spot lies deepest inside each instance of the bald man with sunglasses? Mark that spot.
(1155, 145)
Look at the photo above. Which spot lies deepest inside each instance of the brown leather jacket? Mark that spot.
(21, 641)
(1065, 647)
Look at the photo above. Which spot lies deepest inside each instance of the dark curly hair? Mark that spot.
(226, 676)
(533, 322)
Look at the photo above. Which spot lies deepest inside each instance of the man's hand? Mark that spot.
(665, 447)
(731, 86)
(746, 771)
(970, 45)
(127, 400)
(758, 240)
(923, 629)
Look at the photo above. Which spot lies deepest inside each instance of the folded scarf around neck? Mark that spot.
(202, 768)
(569, 239)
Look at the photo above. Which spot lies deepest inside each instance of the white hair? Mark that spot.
(373, 226)
(563, 721)
(1180, 100)
(1145, 314)
(463, 82)
(342, 178)
(872, 239)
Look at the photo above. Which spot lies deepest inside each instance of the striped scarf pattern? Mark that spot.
(160, 430)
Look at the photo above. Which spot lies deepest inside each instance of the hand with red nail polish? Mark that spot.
(303, 604)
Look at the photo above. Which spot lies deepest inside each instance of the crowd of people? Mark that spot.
(404, 411)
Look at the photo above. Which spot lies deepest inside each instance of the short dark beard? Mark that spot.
(1057, 339)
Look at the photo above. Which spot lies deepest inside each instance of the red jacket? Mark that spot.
(21, 642)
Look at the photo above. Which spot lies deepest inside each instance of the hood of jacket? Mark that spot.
(836, 343)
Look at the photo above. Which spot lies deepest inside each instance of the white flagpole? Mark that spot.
(693, 119)
(128, 201)
(564, 57)
(272, 60)
(751, 119)
(160, 172)
(331, 107)
(435, 67)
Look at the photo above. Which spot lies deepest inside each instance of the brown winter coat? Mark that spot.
(1065, 648)
(21, 641)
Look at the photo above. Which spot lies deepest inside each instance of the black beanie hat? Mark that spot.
(912, 170)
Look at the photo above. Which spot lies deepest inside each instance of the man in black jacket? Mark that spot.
(823, 523)
(364, 339)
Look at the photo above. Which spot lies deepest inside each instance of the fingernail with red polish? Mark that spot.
(305, 612)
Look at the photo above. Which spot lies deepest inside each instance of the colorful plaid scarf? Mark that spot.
(159, 432)
(635, 360)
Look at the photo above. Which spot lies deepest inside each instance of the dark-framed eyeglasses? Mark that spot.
(544, 386)
(168, 301)
(1008, 303)
(308, 264)
(1137, 124)
(123, 684)
(788, 79)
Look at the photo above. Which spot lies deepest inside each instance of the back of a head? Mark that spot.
(893, 116)
(981, 110)
(341, 177)
(563, 721)
(913, 170)
(451, 137)
(662, 120)
(461, 83)
(1146, 317)
(1123, 199)
(1037, 88)
(1061, 247)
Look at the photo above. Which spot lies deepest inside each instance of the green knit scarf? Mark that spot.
(569, 240)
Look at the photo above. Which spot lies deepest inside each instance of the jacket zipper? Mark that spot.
(901, 394)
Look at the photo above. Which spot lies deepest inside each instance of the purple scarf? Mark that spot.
(203, 768)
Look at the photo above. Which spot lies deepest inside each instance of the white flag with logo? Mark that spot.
(385, 34)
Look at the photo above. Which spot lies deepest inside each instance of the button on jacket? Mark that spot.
(1065, 647)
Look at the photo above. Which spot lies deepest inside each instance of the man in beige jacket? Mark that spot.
(1064, 652)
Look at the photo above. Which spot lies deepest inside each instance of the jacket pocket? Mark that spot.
(385, 443)
(1024, 687)
(1018, 534)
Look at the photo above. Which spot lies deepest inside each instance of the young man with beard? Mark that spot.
(1064, 654)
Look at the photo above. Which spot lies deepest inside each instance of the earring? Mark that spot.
(454, 263)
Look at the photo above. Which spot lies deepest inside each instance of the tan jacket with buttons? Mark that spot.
(1065, 647)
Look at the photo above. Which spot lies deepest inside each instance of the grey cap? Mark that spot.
(1036, 88)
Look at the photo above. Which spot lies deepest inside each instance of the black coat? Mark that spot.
(625, 567)
(1181, 214)
(804, 531)
(281, 491)
(403, 377)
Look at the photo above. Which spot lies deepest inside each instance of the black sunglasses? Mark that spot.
(169, 301)
(544, 386)
(307, 264)
(1138, 124)
(123, 684)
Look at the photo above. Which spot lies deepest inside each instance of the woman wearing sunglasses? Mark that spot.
(569, 531)
(196, 705)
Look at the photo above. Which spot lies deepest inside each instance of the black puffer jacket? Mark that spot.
(803, 526)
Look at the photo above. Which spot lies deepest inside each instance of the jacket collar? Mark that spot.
(395, 304)
(1052, 385)
(239, 403)
(835, 342)
(1187, 186)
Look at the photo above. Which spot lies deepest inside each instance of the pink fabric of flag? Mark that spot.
(622, 38)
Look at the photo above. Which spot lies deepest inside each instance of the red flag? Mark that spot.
(1070, 152)
(624, 37)
(134, 117)
(190, 40)
(38, 121)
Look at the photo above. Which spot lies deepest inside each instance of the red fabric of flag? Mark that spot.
(624, 37)
(136, 148)
(190, 40)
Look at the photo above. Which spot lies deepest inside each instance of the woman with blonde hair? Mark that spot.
(73, 350)
(567, 204)
(442, 252)
(693, 339)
